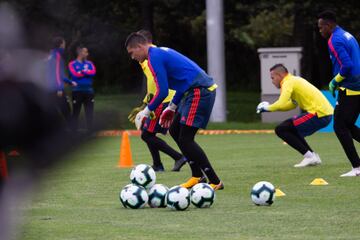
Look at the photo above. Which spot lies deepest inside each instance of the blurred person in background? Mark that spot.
(56, 77)
(82, 72)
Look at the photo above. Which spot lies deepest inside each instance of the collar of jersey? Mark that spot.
(288, 76)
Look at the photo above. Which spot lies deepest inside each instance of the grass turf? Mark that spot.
(79, 199)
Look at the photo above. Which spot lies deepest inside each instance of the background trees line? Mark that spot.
(103, 26)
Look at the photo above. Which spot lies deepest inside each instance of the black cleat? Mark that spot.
(159, 168)
(179, 163)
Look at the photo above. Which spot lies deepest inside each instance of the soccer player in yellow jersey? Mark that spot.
(151, 126)
(296, 91)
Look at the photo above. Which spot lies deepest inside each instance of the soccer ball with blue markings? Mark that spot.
(133, 196)
(178, 198)
(157, 195)
(263, 193)
(202, 195)
(143, 175)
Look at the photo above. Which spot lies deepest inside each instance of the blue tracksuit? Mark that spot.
(175, 71)
(56, 70)
(82, 73)
(345, 57)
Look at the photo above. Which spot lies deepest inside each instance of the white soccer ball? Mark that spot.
(202, 195)
(133, 196)
(263, 193)
(143, 175)
(157, 196)
(178, 198)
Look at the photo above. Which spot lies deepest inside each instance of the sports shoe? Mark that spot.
(313, 161)
(219, 186)
(193, 181)
(355, 172)
(159, 168)
(179, 163)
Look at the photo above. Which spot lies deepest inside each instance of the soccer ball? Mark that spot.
(177, 198)
(133, 196)
(263, 193)
(202, 195)
(143, 175)
(157, 194)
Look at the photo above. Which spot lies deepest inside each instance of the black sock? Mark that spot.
(345, 137)
(147, 137)
(175, 134)
(190, 148)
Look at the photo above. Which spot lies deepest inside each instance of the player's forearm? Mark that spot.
(157, 100)
(177, 97)
(281, 106)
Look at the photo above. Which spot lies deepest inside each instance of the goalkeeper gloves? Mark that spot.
(148, 98)
(262, 107)
(135, 111)
(334, 84)
(142, 116)
(167, 115)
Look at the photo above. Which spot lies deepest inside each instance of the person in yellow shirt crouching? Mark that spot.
(151, 126)
(296, 91)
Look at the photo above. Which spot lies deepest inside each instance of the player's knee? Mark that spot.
(279, 130)
(145, 136)
(184, 141)
(173, 134)
(340, 127)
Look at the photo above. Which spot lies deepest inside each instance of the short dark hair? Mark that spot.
(135, 39)
(79, 48)
(280, 67)
(328, 15)
(147, 34)
(57, 41)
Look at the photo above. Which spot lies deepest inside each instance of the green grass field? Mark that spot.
(79, 200)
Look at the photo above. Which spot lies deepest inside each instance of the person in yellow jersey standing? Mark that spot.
(296, 91)
(151, 126)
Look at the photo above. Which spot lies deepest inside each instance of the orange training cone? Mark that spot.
(125, 159)
(3, 167)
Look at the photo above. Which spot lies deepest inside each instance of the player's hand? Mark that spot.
(141, 117)
(262, 107)
(135, 111)
(167, 116)
(333, 85)
(73, 83)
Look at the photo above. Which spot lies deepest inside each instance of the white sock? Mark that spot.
(308, 154)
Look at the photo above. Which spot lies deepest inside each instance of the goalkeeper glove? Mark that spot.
(334, 84)
(167, 115)
(262, 107)
(148, 98)
(142, 116)
(135, 111)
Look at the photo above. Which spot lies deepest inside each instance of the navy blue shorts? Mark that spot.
(152, 125)
(308, 123)
(195, 108)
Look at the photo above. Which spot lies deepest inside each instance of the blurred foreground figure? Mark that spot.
(29, 122)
